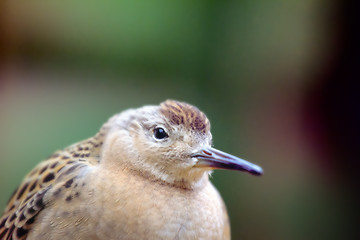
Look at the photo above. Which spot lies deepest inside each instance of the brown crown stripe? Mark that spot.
(180, 113)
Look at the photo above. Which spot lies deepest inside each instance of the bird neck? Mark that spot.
(195, 180)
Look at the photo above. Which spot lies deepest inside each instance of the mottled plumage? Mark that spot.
(57, 175)
(144, 175)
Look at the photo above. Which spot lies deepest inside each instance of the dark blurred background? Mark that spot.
(276, 78)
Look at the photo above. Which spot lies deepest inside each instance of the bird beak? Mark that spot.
(213, 158)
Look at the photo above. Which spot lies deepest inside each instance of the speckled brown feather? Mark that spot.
(56, 173)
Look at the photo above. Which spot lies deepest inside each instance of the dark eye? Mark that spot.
(159, 133)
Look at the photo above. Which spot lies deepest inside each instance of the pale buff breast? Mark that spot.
(131, 207)
(134, 207)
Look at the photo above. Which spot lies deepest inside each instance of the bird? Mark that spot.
(144, 175)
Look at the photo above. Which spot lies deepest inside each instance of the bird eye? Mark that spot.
(159, 133)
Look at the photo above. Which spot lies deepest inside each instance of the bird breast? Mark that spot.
(128, 206)
(122, 205)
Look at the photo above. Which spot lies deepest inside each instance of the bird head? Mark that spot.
(170, 142)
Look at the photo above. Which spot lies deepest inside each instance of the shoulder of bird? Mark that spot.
(56, 174)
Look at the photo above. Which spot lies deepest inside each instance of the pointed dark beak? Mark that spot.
(213, 158)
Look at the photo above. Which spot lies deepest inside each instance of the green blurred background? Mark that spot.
(266, 72)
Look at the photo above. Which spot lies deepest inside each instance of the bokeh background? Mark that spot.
(276, 78)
